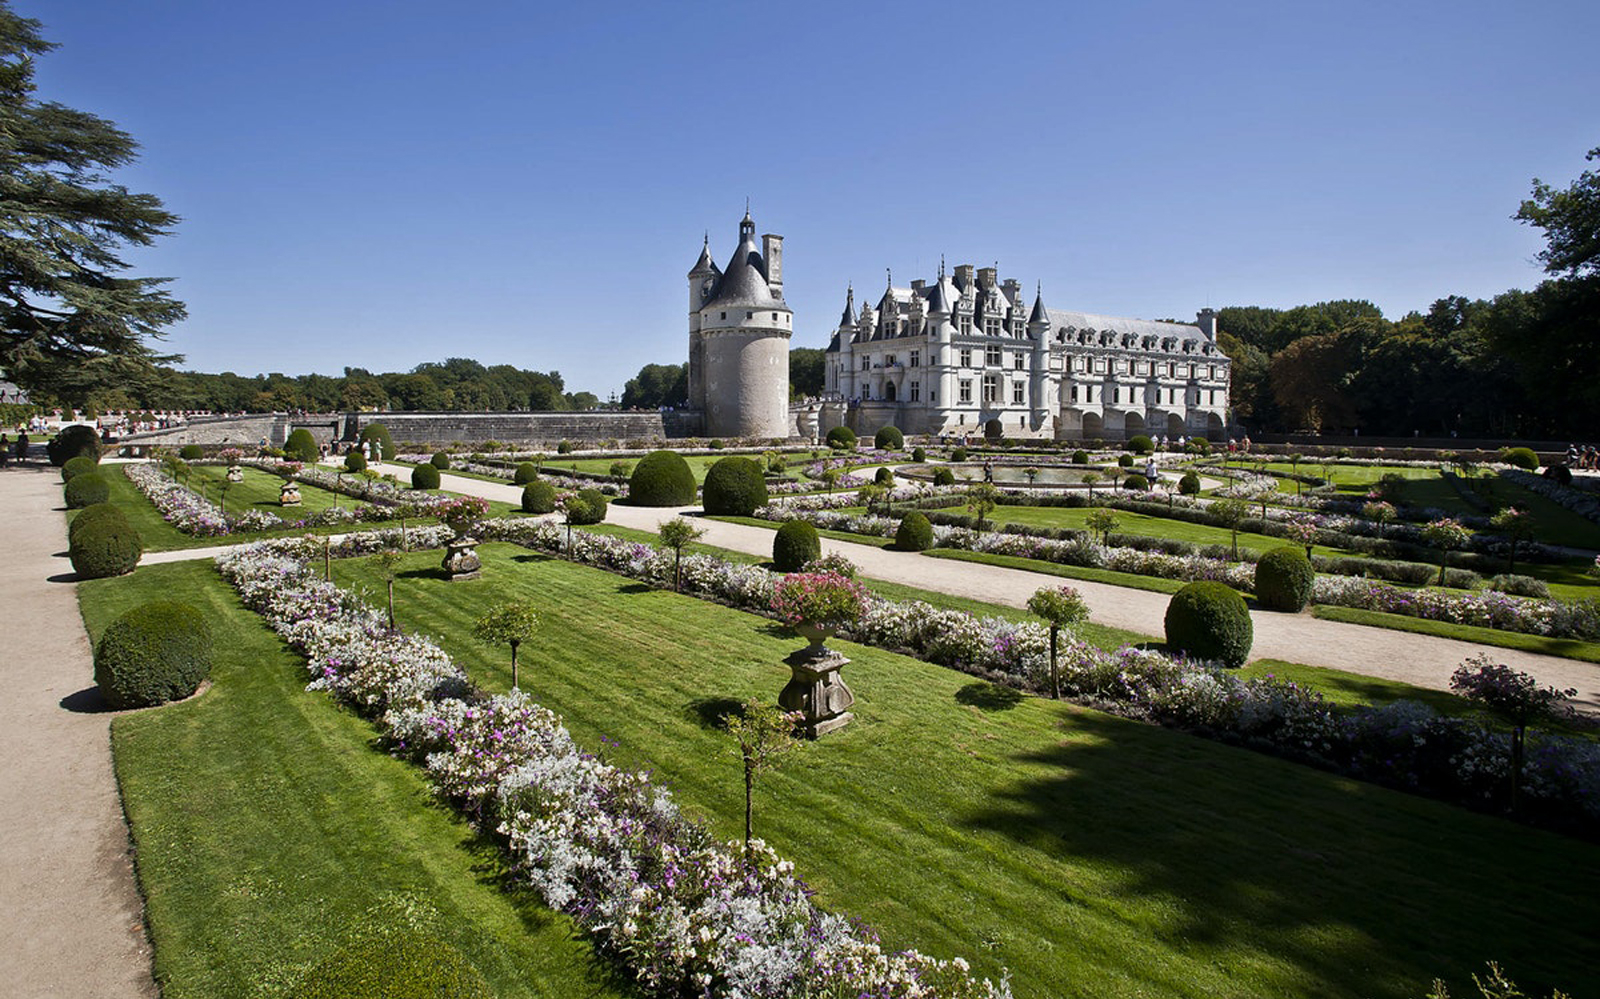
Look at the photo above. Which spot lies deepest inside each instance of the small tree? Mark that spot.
(1515, 524)
(870, 494)
(982, 498)
(1090, 479)
(1062, 607)
(678, 534)
(830, 477)
(1102, 520)
(1032, 472)
(764, 733)
(1446, 535)
(1379, 512)
(1230, 513)
(508, 624)
(1302, 530)
(387, 564)
(1515, 698)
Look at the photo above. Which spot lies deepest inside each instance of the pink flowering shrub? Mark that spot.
(825, 598)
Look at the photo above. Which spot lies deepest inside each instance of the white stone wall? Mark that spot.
(746, 382)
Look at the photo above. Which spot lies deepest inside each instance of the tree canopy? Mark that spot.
(69, 318)
(1570, 219)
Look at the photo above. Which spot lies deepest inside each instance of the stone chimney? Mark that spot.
(1206, 319)
(986, 276)
(772, 252)
(963, 276)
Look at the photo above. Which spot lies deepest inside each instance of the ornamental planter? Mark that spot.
(289, 495)
(461, 559)
(235, 473)
(815, 688)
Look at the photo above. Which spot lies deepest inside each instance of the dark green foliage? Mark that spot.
(717, 444)
(841, 438)
(191, 452)
(795, 544)
(662, 478)
(440, 460)
(1141, 444)
(1559, 474)
(538, 496)
(1208, 620)
(1520, 457)
(86, 490)
(96, 513)
(1189, 485)
(525, 473)
(889, 439)
(1080, 457)
(1125, 460)
(943, 477)
(919, 454)
(425, 477)
(565, 447)
(958, 454)
(154, 653)
(77, 439)
(587, 507)
(915, 533)
(403, 965)
(734, 487)
(883, 477)
(78, 466)
(380, 433)
(301, 446)
(105, 548)
(355, 461)
(1283, 580)
(1136, 483)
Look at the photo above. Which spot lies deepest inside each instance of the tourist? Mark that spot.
(988, 470)
(22, 447)
(5, 449)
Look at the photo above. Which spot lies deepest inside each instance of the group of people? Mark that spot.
(13, 449)
(1583, 457)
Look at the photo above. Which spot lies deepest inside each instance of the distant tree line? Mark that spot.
(658, 385)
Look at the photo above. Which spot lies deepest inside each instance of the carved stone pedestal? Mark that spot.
(289, 495)
(461, 559)
(817, 691)
(235, 473)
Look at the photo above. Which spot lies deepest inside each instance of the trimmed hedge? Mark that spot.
(96, 513)
(587, 507)
(424, 477)
(889, 439)
(795, 544)
(440, 460)
(943, 477)
(1136, 483)
(78, 439)
(1210, 621)
(919, 454)
(1125, 461)
(538, 496)
(403, 965)
(355, 461)
(86, 490)
(78, 466)
(662, 478)
(154, 653)
(380, 433)
(1521, 457)
(1141, 444)
(1080, 457)
(883, 477)
(958, 454)
(104, 547)
(734, 487)
(915, 533)
(301, 446)
(841, 438)
(1189, 485)
(1284, 577)
(525, 473)
(565, 447)
(191, 452)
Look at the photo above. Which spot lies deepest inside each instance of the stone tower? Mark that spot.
(739, 330)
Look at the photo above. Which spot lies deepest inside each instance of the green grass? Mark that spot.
(1143, 525)
(270, 827)
(1133, 581)
(1091, 855)
(1569, 648)
(857, 539)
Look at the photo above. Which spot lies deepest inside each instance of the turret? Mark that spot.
(1206, 319)
(702, 277)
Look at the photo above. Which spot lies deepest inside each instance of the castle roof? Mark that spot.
(744, 281)
(1060, 320)
(705, 265)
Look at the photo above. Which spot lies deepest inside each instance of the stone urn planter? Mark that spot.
(815, 688)
(461, 559)
(289, 495)
(235, 473)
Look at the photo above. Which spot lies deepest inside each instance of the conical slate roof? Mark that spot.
(744, 281)
(705, 265)
(1040, 313)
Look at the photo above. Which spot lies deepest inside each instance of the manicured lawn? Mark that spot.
(1569, 648)
(1552, 522)
(1154, 584)
(271, 829)
(1091, 855)
(822, 532)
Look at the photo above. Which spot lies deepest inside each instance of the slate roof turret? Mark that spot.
(744, 281)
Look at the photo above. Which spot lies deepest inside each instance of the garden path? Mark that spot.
(73, 923)
(1421, 660)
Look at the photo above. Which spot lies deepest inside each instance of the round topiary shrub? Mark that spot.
(104, 547)
(1210, 621)
(1283, 580)
(538, 496)
(440, 460)
(1136, 483)
(943, 477)
(191, 452)
(889, 439)
(93, 514)
(78, 466)
(587, 507)
(78, 439)
(958, 454)
(396, 965)
(1125, 460)
(915, 533)
(1559, 474)
(355, 461)
(380, 433)
(1189, 485)
(1141, 444)
(86, 490)
(301, 446)
(1520, 457)
(883, 477)
(717, 444)
(1080, 457)
(525, 473)
(842, 438)
(424, 477)
(662, 478)
(155, 653)
(565, 447)
(795, 544)
(919, 454)
(734, 487)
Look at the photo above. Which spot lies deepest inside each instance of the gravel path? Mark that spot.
(71, 920)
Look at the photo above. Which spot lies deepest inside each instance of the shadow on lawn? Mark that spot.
(1363, 891)
(989, 696)
(712, 712)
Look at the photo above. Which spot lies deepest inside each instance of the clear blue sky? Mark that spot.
(379, 184)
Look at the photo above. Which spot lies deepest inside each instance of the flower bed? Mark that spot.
(685, 914)
(1488, 609)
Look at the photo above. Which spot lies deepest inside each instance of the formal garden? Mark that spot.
(560, 766)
